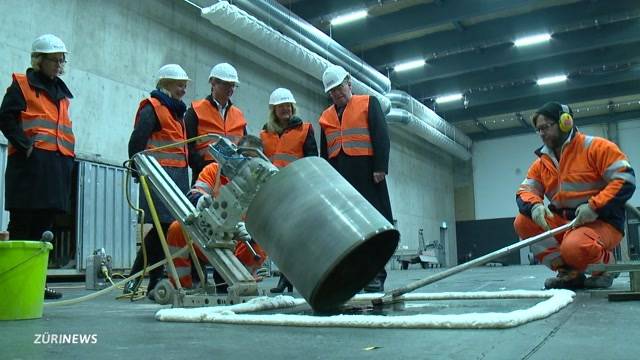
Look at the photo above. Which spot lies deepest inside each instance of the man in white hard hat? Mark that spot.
(355, 141)
(159, 121)
(214, 114)
(286, 138)
(34, 117)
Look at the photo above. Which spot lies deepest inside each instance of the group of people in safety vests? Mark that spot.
(584, 178)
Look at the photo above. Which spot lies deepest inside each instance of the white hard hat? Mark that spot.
(48, 44)
(172, 71)
(224, 72)
(333, 76)
(281, 96)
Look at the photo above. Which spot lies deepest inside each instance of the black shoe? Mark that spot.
(50, 294)
(283, 283)
(132, 285)
(375, 286)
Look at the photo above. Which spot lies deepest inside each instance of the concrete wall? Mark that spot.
(500, 165)
(117, 46)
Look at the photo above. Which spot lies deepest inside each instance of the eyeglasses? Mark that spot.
(61, 61)
(338, 87)
(544, 127)
(227, 84)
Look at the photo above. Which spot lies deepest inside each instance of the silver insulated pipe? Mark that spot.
(315, 40)
(428, 125)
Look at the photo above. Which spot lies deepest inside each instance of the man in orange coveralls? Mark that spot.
(207, 185)
(583, 177)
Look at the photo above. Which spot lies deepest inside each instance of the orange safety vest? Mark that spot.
(210, 121)
(286, 148)
(352, 133)
(45, 123)
(171, 131)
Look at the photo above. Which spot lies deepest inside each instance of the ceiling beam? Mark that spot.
(568, 43)
(528, 71)
(535, 96)
(418, 18)
(591, 120)
(498, 31)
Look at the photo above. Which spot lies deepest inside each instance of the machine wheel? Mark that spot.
(164, 292)
(424, 265)
(404, 265)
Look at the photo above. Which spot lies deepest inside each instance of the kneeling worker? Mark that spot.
(585, 178)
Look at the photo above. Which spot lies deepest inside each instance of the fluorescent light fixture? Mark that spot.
(409, 65)
(448, 98)
(534, 39)
(551, 80)
(346, 18)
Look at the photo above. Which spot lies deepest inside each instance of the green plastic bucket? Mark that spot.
(23, 273)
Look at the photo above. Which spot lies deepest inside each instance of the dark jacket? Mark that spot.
(42, 181)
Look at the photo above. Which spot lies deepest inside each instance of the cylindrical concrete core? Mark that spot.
(323, 235)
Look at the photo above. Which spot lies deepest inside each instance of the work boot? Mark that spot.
(50, 294)
(283, 283)
(602, 281)
(566, 279)
(132, 285)
(377, 284)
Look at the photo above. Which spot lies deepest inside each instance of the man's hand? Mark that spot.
(539, 214)
(204, 202)
(584, 215)
(378, 176)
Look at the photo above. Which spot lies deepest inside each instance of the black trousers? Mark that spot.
(29, 224)
(154, 254)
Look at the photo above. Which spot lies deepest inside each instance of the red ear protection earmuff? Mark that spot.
(566, 120)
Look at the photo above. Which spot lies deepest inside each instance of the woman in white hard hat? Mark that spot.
(158, 122)
(286, 138)
(34, 117)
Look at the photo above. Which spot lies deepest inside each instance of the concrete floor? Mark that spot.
(589, 328)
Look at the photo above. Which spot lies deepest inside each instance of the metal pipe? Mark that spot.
(392, 295)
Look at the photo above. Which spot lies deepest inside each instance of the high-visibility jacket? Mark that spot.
(210, 121)
(591, 169)
(172, 130)
(350, 135)
(208, 182)
(46, 123)
(286, 148)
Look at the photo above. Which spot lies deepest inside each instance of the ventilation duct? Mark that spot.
(265, 37)
(402, 100)
(423, 122)
(291, 25)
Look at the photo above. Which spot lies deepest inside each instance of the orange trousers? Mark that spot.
(591, 243)
(176, 241)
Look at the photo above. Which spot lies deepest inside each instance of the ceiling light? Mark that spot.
(346, 18)
(551, 80)
(448, 98)
(534, 39)
(409, 65)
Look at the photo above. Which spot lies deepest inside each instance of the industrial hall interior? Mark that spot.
(306, 179)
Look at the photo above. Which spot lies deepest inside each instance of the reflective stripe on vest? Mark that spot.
(351, 135)
(44, 122)
(210, 121)
(286, 148)
(171, 131)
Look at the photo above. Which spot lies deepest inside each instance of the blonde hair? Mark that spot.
(36, 60)
(162, 84)
(273, 125)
